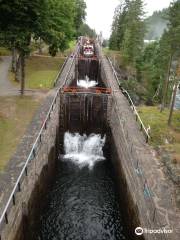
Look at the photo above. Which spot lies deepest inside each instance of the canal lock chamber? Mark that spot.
(82, 192)
(82, 201)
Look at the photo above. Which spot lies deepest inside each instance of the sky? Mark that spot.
(100, 13)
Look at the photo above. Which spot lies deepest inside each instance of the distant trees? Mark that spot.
(168, 53)
(85, 30)
(117, 32)
(174, 40)
(155, 63)
(128, 30)
(53, 21)
(134, 32)
(119, 25)
(156, 24)
(80, 14)
(161, 61)
(82, 28)
(174, 27)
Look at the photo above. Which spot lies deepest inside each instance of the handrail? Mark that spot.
(62, 67)
(60, 71)
(124, 91)
(24, 169)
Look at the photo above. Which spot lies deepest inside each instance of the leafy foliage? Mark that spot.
(53, 21)
(174, 27)
(155, 63)
(80, 14)
(85, 30)
(160, 58)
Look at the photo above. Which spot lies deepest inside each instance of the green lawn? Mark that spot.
(4, 52)
(15, 115)
(161, 133)
(40, 72)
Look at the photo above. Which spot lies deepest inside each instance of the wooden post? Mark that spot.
(22, 59)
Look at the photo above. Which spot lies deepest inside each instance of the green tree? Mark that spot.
(174, 26)
(171, 49)
(119, 25)
(133, 39)
(155, 64)
(85, 30)
(18, 20)
(165, 59)
(128, 30)
(80, 14)
(174, 32)
(53, 21)
(113, 41)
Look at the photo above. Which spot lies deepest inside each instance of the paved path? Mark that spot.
(6, 87)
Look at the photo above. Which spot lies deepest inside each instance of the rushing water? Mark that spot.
(83, 150)
(82, 204)
(87, 83)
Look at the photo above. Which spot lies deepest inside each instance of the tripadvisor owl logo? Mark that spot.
(139, 231)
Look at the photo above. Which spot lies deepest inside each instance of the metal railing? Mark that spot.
(125, 92)
(32, 154)
(59, 73)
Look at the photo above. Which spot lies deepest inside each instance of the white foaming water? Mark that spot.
(83, 150)
(86, 83)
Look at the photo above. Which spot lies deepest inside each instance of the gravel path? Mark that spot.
(6, 87)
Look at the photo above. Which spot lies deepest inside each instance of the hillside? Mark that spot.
(156, 24)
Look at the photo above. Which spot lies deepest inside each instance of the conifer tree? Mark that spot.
(134, 31)
(174, 32)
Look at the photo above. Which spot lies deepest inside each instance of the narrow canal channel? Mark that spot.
(82, 203)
